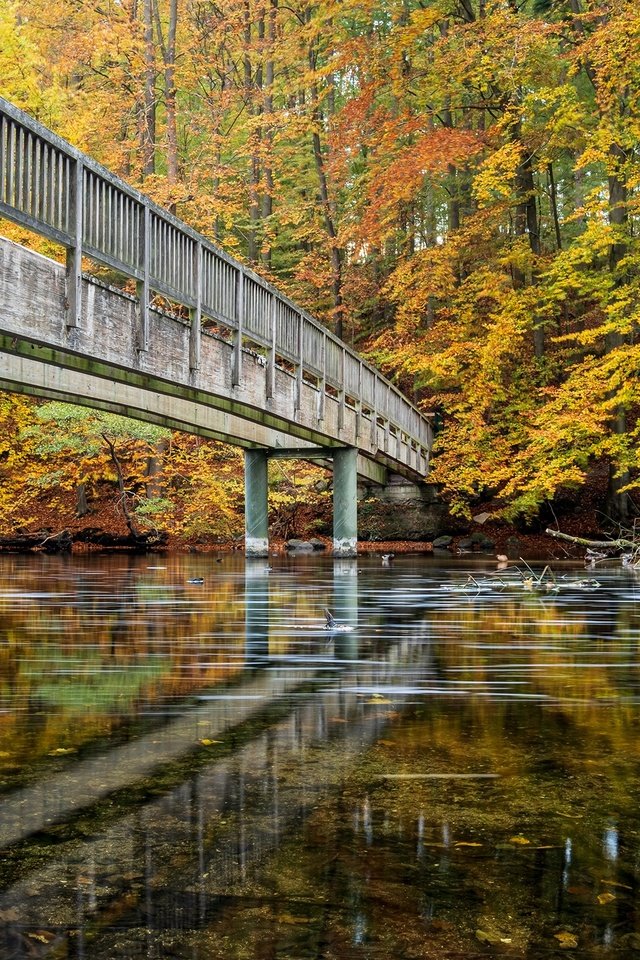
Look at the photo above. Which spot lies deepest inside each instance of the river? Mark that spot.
(203, 770)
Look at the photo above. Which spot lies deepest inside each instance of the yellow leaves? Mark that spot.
(605, 898)
(566, 940)
(519, 840)
(42, 936)
(494, 179)
(206, 742)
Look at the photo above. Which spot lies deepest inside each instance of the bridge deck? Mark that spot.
(271, 376)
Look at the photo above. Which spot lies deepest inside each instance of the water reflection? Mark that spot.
(202, 770)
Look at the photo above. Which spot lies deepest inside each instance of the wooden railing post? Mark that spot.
(143, 286)
(322, 386)
(236, 363)
(195, 313)
(374, 416)
(270, 382)
(341, 392)
(74, 252)
(299, 365)
(359, 403)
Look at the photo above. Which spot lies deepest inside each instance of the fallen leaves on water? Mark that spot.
(566, 939)
(378, 698)
(42, 936)
(606, 897)
(290, 918)
(464, 843)
(209, 743)
(522, 841)
(488, 936)
(61, 751)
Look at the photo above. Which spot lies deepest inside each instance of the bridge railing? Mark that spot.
(55, 190)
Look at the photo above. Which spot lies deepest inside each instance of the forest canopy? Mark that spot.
(452, 186)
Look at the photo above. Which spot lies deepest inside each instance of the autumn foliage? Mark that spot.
(452, 185)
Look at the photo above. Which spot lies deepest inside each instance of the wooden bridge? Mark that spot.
(190, 338)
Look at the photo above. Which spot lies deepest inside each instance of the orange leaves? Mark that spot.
(405, 164)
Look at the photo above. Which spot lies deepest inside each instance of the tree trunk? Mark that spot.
(267, 195)
(526, 222)
(553, 203)
(121, 487)
(148, 125)
(170, 96)
(82, 507)
(618, 218)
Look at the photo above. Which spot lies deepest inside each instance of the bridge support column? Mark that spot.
(345, 501)
(256, 507)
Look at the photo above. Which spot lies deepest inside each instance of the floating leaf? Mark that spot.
(464, 843)
(606, 897)
(488, 936)
(208, 743)
(42, 936)
(566, 939)
(61, 751)
(520, 840)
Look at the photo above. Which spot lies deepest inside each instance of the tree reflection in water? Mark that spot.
(203, 772)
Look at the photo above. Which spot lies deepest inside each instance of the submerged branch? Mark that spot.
(620, 544)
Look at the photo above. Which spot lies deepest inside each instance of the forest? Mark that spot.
(450, 185)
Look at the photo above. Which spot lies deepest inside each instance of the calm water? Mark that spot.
(204, 771)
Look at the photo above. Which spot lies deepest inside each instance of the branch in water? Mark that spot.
(620, 544)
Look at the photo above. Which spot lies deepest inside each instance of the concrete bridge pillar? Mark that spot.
(345, 502)
(256, 505)
(345, 498)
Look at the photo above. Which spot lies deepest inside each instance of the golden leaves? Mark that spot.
(566, 940)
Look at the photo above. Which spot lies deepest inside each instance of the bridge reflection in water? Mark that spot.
(453, 776)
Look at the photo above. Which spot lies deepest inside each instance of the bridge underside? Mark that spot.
(35, 377)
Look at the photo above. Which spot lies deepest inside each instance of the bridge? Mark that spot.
(182, 334)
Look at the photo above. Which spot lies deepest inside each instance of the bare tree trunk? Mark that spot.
(526, 222)
(170, 94)
(82, 507)
(154, 470)
(553, 202)
(335, 252)
(148, 127)
(256, 134)
(267, 196)
(121, 487)
(618, 218)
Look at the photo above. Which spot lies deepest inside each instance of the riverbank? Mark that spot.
(52, 524)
